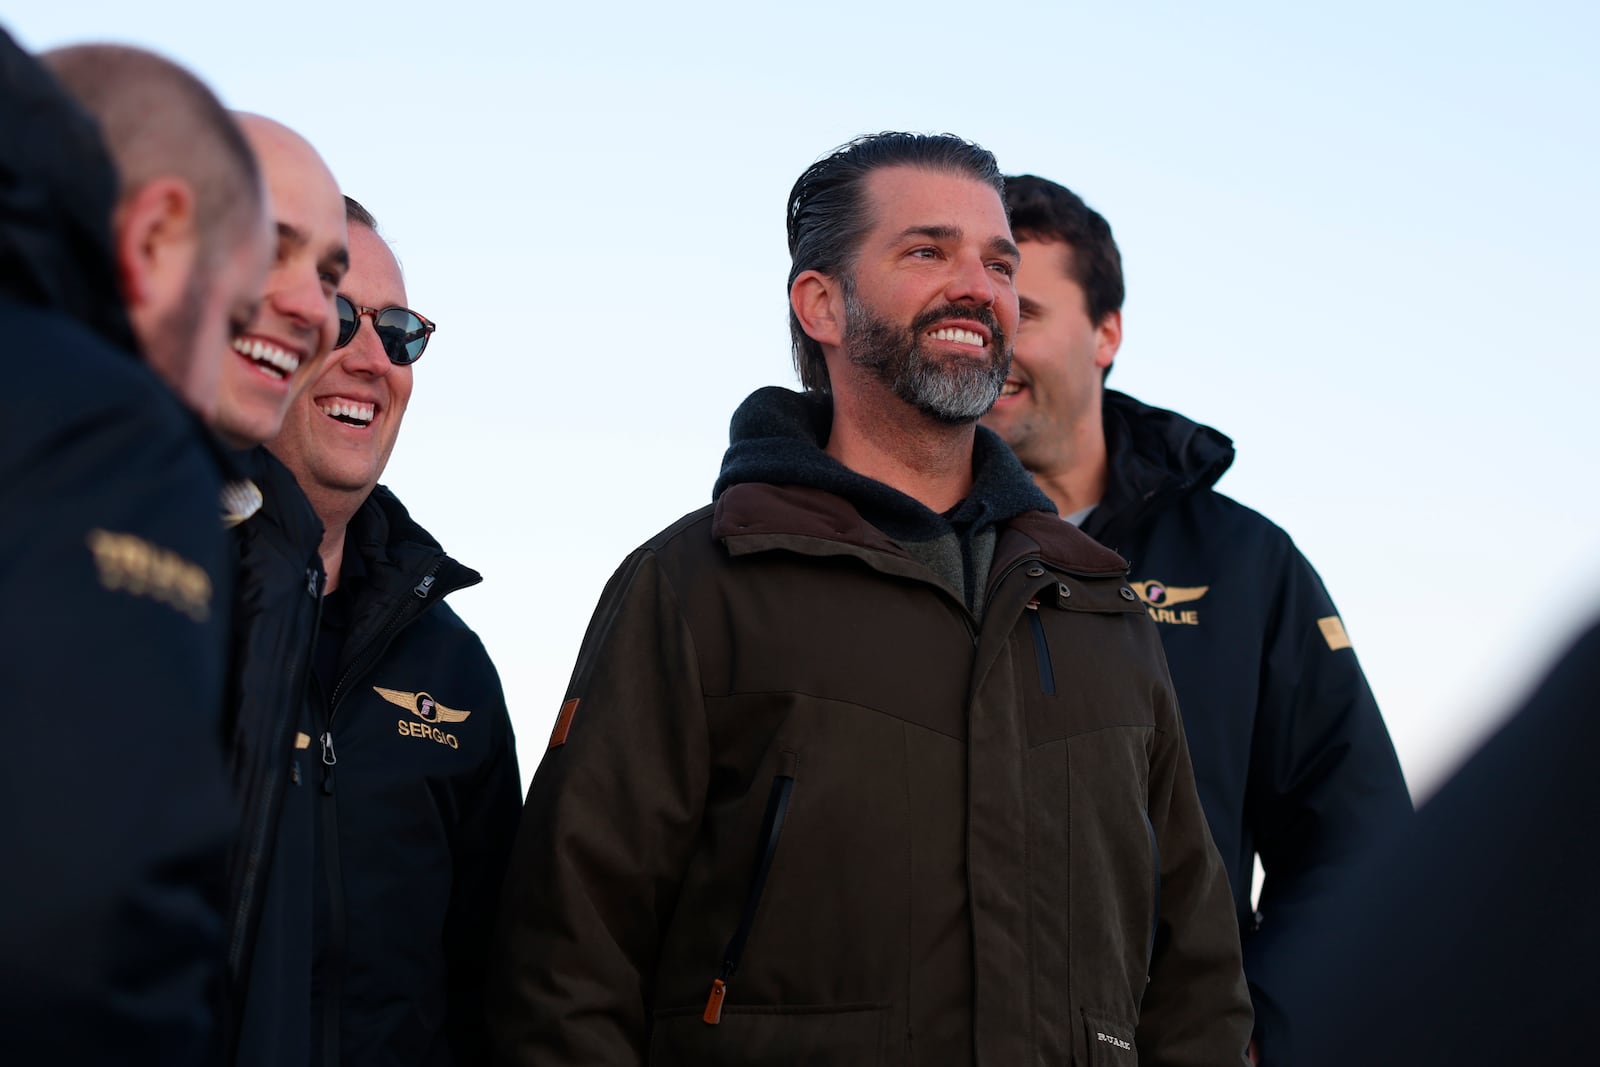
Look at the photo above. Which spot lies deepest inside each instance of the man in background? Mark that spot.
(1290, 752)
(417, 790)
(117, 299)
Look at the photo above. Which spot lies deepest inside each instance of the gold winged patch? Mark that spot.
(1162, 595)
(421, 705)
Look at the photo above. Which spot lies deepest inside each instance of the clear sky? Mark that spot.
(1358, 240)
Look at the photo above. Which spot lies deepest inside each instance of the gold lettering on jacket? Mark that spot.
(1159, 599)
(423, 730)
(133, 565)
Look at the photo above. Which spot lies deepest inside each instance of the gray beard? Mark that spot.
(954, 391)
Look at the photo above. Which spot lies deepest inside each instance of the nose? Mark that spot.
(364, 354)
(305, 301)
(971, 281)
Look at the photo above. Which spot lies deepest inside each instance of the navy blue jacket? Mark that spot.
(1291, 757)
(114, 596)
(270, 871)
(418, 799)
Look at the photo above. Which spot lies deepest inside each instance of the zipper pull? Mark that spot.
(328, 755)
(313, 586)
(423, 587)
(713, 1013)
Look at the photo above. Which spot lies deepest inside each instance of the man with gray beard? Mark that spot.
(810, 795)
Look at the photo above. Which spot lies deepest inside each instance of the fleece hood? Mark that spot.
(777, 437)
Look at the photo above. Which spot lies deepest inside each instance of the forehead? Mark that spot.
(304, 195)
(1044, 263)
(906, 197)
(374, 278)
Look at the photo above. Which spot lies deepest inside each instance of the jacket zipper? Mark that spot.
(771, 829)
(334, 996)
(1041, 650)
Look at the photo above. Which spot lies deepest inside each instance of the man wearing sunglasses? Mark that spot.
(417, 785)
(276, 536)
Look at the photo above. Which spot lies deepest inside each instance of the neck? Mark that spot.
(1071, 471)
(335, 511)
(927, 460)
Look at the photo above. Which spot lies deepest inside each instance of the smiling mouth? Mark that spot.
(273, 361)
(348, 412)
(1011, 387)
(964, 337)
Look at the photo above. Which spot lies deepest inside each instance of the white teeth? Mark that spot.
(966, 337)
(348, 409)
(1011, 389)
(268, 356)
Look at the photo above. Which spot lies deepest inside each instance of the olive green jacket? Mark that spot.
(801, 807)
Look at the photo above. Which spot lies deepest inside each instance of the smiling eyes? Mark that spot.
(1003, 267)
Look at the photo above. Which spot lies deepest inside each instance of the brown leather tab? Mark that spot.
(558, 736)
(713, 1013)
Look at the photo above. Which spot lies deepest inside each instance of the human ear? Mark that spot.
(1107, 339)
(155, 244)
(818, 302)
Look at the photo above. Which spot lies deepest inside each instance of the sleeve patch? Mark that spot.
(1333, 632)
(558, 736)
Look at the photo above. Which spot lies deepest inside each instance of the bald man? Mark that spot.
(280, 589)
(243, 381)
(115, 576)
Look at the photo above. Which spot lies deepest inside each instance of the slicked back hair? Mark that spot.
(354, 212)
(828, 214)
(157, 119)
(1043, 211)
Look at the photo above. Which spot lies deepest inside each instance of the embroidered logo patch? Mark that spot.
(1160, 599)
(421, 705)
(1333, 632)
(429, 710)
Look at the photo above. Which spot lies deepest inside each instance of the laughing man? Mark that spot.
(417, 788)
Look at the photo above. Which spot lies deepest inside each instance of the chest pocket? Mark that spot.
(1093, 657)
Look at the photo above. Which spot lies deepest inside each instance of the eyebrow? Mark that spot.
(1026, 306)
(291, 235)
(998, 246)
(297, 238)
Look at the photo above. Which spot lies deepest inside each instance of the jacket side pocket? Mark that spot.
(766, 851)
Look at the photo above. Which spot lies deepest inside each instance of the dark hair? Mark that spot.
(1041, 210)
(828, 217)
(156, 119)
(354, 212)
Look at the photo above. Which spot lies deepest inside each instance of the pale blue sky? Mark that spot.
(1358, 240)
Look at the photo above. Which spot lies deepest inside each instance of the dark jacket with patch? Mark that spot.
(417, 795)
(114, 592)
(803, 806)
(270, 877)
(1290, 752)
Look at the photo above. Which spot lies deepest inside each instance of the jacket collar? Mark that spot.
(755, 516)
(398, 553)
(1152, 455)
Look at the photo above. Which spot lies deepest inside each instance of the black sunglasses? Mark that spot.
(403, 332)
